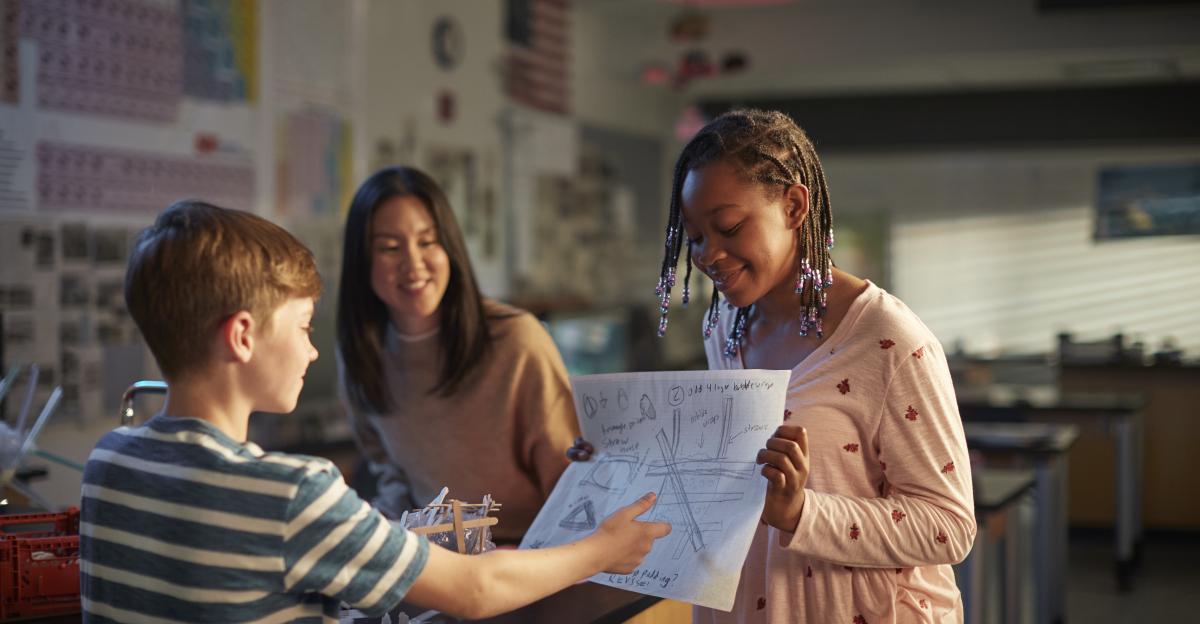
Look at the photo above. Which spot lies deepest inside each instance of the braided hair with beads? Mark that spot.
(769, 149)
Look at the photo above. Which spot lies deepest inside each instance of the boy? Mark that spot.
(184, 519)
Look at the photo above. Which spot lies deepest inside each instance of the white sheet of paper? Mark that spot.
(691, 437)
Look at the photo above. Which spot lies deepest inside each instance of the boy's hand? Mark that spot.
(626, 540)
(785, 466)
(581, 451)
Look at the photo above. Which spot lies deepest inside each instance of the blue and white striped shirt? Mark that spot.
(180, 523)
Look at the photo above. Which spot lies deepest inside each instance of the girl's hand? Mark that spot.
(581, 451)
(785, 466)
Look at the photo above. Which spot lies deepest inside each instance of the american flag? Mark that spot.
(539, 54)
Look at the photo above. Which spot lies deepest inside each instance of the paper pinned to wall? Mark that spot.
(220, 50)
(690, 437)
(10, 71)
(314, 177)
(16, 164)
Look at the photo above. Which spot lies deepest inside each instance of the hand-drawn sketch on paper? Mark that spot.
(690, 437)
(582, 517)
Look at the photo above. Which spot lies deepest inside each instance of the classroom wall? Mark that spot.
(115, 113)
(611, 95)
(402, 85)
(513, 150)
(356, 83)
(332, 91)
(880, 45)
(995, 251)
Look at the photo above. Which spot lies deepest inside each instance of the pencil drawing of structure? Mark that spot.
(690, 437)
(581, 517)
(614, 473)
(691, 485)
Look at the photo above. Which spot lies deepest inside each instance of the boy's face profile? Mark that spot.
(281, 354)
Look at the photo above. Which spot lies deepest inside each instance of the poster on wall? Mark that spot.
(121, 58)
(62, 307)
(537, 65)
(29, 310)
(16, 166)
(10, 76)
(1148, 200)
(314, 166)
(220, 39)
(102, 180)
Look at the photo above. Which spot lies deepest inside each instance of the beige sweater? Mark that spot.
(504, 432)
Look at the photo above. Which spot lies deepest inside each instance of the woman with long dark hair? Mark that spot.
(443, 387)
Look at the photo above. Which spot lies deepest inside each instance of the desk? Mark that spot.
(585, 603)
(1117, 415)
(1041, 447)
(1171, 463)
(588, 602)
(999, 499)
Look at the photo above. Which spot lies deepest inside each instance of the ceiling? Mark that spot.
(820, 47)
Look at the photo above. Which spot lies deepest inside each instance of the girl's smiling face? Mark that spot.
(743, 233)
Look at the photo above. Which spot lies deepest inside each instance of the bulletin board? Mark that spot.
(598, 227)
(111, 110)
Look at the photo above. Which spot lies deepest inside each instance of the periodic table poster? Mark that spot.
(111, 110)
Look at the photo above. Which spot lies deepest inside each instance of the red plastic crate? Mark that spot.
(39, 564)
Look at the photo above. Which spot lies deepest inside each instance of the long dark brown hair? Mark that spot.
(362, 318)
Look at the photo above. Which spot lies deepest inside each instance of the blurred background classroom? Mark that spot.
(1024, 174)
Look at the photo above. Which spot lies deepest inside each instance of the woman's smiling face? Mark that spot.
(410, 269)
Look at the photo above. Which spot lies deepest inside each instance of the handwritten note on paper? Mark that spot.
(690, 437)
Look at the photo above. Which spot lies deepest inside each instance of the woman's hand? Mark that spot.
(581, 451)
(785, 466)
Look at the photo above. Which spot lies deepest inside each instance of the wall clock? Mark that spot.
(448, 42)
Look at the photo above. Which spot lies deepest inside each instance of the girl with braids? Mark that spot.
(869, 494)
(443, 387)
